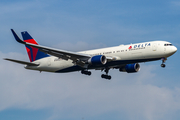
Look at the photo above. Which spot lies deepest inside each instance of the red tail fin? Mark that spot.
(33, 53)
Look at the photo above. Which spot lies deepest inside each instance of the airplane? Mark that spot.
(126, 58)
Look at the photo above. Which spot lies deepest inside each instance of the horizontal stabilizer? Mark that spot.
(21, 62)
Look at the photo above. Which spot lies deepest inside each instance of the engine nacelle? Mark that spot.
(97, 60)
(130, 68)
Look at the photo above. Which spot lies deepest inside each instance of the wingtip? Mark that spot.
(17, 37)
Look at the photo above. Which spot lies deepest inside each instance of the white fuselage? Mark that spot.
(123, 54)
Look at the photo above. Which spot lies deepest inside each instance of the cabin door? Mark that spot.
(154, 47)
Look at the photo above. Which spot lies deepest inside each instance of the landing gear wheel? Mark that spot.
(89, 73)
(106, 76)
(86, 72)
(102, 76)
(109, 77)
(163, 61)
(163, 65)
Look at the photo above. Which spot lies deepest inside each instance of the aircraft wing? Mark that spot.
(21, 62)
(76, 57)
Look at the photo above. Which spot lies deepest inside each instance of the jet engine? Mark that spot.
(97, 60)
(130, 68)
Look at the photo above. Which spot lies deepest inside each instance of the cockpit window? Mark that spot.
(168, 45)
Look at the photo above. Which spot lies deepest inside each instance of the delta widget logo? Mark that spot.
(140, 46)
(130, 47)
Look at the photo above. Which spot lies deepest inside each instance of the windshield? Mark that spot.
(168, 45)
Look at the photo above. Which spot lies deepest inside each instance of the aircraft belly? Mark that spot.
(109, 64)
(60, 65)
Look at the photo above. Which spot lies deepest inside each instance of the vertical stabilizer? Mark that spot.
(33, 53)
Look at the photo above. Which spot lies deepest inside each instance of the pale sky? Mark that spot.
(151, 94)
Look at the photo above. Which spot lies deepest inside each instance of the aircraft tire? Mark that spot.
(106, 76)
(163, 65)
(89, 73)
(86, 72)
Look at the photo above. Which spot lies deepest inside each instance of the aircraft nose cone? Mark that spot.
(174, 49)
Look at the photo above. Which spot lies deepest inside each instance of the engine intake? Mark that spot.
(97, 60)
(130, 68)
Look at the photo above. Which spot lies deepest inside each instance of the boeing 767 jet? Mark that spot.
(125, 58)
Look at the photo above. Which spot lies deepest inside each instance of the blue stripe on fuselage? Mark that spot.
(112, 63)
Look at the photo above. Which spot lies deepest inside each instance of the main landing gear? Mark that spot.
(86, 72)
(163, 61)
(106, 76)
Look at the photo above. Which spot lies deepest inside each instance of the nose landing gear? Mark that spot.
(163, 61)
(163, 65)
